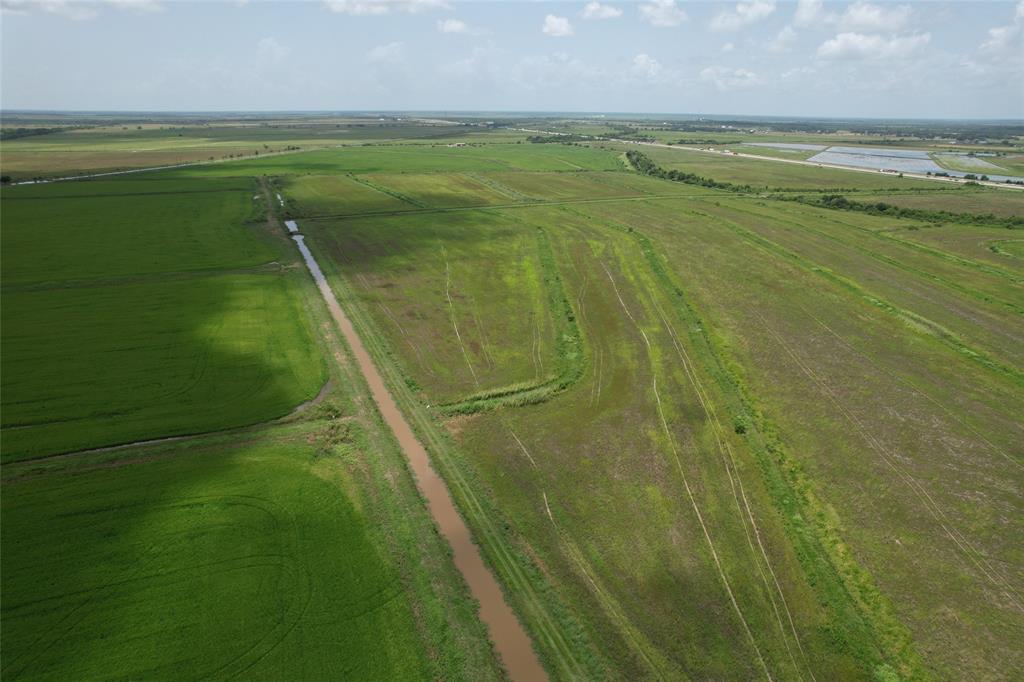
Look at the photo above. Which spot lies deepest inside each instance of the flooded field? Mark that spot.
(790, 146)
(898, 160)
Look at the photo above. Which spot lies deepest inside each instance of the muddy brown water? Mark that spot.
(506, 632)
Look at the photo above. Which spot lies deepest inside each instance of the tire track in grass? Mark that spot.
(734, 477)
(718, 431)
(451, 312)
(919, 323)
(915, 389)
(686, 483)
(890, 458)
(637, 642)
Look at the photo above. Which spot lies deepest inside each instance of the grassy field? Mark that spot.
(101, 146)
(772, 174)
(148, 308)
(776, 539)
(697, 434)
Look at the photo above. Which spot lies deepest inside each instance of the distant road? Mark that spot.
(800, 162)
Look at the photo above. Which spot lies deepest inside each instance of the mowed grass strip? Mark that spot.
(105, 365)
(222, 561)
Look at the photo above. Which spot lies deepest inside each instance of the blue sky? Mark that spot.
(756, 57)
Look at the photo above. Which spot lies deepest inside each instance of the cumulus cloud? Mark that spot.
(1005, 38)
(646, 66)
(270, 49)
(557, 27)
(75, 9)
(783, 41)
(595, 10)
(458, 26)
(727, 78)
(872, 46)
(809, 13)
(744, 14)
(866, 17)
(136, 5)
(662, 13)
(391, 53)
(378, 7)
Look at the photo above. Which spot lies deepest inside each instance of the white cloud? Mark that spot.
(646, 66)
(726, 78)
(556, 27)
(662, 13)
(866, 17)
(459, 26)
(76, 10)
(378, 7)
(783, 41)
(391, 53)
(595, 10)
(728, 47)
(809, 12)
(271, 49)
(1003, 38)
(137, 5)
(872, 46)
(744, 14)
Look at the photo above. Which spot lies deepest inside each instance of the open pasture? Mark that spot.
(140, 144)
(778, 539)
(437, 190)
(416, 159)
(312, 195)
(978, 201)
(774, 175)
(464, 297)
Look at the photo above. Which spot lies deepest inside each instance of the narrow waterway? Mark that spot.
(506, 632)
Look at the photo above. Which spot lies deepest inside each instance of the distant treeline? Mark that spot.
(832, 201)
(880, 208)
(14, 133)
(563, 139)
(644, 164)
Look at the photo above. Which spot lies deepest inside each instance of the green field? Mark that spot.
(147, 308)
(696, 433)
(687, 416)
